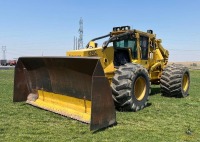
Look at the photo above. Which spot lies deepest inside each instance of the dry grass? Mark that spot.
(195, 65)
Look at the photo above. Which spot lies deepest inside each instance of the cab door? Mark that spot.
(144, 50)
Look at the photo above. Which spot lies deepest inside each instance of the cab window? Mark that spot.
(130, 43)
(144, 47)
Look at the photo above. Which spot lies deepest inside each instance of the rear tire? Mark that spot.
(130, 87)
(175, 81)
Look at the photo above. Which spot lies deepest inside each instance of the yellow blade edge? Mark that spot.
(79, 109)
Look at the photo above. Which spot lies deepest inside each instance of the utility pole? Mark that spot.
(4, 52)
(80, 40)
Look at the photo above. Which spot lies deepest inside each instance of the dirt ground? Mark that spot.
(190, 65)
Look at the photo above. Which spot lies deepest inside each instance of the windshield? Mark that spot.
(128, 43)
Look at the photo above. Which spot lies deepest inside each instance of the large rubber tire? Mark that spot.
(175, 81)
(130, 87)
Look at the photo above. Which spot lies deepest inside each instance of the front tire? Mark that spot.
(130, 87)
(175, 81)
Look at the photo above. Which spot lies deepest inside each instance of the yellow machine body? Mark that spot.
(78, 86)
(155, 62)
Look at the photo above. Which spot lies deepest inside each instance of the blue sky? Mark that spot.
(48, 27)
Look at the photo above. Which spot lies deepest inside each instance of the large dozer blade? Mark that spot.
(73, 87)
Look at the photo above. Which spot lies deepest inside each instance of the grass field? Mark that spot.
(166, 119)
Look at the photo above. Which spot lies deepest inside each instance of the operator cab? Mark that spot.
(125, 46)
(129, 45)
(122, 50)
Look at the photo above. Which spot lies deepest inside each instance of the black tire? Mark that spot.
(175, 81)
(130, 87)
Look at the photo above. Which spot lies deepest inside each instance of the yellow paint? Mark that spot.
(156, 62)
(79, 109)
(106, 59)
(140, 88)
(158, 56)
(185, 82)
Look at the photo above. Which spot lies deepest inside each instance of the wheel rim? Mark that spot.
(185, 83)
(140, 88)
